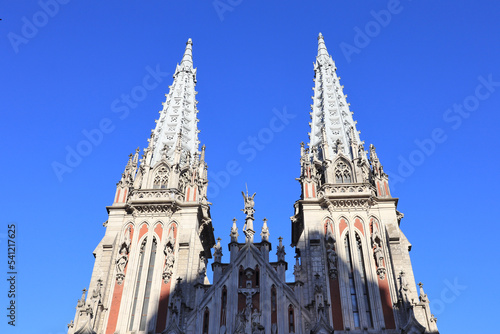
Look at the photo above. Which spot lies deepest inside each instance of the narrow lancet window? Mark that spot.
(137, 285)
(291, 319)
(352, 286)
(366, 296)
(206, 319)
(147, 294)
(274, 306)
(223, 306)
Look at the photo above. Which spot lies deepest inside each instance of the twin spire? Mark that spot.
(332, 126)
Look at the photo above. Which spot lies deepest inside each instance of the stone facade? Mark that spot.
(352, 271)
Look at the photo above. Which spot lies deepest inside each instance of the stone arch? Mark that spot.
(343, 225)
(343, 171)
(359, 224)
(327, 219)
(161, 174)
(158, 229)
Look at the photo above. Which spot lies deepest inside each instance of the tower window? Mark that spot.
(291, 319)
(206, 319)
(147, 294)
(274, 306)
(161, 178)
(366, 296)
(137, 285)
(342, 173)
(223, 306)
(352, 286)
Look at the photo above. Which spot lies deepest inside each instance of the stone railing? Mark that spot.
(155, 195)
(347, 190)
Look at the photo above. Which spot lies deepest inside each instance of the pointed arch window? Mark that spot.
(291, 319)
(143, 283)
(223, 306)
(257, 276)
(137, 285)
(149, 280)
(366, 296)
(161, 178)
(274, 305)
(342, 173)
(206, 320)
(352, 285)
(241, 277)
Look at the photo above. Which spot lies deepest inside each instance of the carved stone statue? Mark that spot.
(122, 260)
(202, 271)
(169, 260)
(249, 204)
(379, 256)
(297, 269)
(404, 289)
(376, 238)
(340, 146)
(218, 251)
(121, 263)
(331, 256)
(379, 259)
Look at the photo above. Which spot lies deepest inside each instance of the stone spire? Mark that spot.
(331, 119)
(177, 126)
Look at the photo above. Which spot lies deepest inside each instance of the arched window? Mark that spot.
(241, 278)
(342, 173)
(161, 178)
(257, 276)
(206, 319)
(366, 296)
(149, 280)
(223, 306)
(137, 285)
(352, 285)
(291, 319)
(274, 306)
(143, 273)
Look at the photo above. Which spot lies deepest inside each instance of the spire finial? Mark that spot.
(321, 46)
(188, 53)
(265, 231)
(202, 157)
(234, 232)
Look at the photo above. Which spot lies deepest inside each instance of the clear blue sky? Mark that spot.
(62, 73)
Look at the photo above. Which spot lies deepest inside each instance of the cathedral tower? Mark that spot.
(159, 232)
(352, 267)
(354, 258)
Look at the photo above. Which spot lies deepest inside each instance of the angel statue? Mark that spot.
(249, 204)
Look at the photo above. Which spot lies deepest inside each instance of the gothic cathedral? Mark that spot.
(352, 269)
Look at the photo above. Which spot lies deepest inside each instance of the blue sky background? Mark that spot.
(62, 77)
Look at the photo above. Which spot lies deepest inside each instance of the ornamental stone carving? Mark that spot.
(122, 260)
(169, 260)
